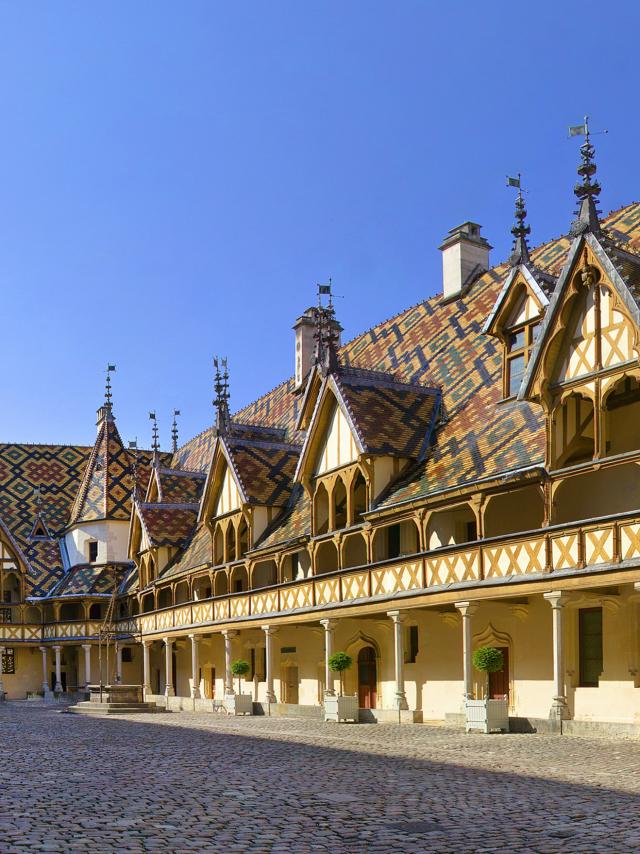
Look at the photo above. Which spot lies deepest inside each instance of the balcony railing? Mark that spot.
(586, 545)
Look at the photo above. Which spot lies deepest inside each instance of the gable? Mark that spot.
(337, 446)
(525, 307)
(228, 497)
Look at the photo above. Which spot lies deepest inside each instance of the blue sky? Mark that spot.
(176, 177)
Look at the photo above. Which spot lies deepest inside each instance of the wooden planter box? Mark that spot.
(487, 715)
(341, 708)
(238, 704)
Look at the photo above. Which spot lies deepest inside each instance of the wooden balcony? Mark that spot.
(582, 547)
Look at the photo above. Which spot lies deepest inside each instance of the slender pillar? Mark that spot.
(559, 708)
(87, 664)
(58, 686)
(398, 635)
(195, 667)
(228, 677)
(118, 663)
(1, 670)
(329, 629)
(169, 690)
(146, 668)
(269, 631)
(467, 609)
(45, 671)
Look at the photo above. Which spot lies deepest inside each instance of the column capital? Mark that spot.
(269, 630)
(556, 598)
(146, 642)
(328, 624)
(2, 648)
(194, 638)
(397, 616)
(467, 609)
(229, 633)
(43, 649)
(84, 646)
(168, 641)
(57, 647)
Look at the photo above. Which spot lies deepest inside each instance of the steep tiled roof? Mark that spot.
(86, 579)
(196, 554)
(180, 487)
(263, 463)
(168, 524)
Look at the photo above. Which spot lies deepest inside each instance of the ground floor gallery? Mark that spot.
(574, 655)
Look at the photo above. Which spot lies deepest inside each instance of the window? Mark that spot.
(411, 645)
(472, 531)
(393, 541)
(93, 551)
(519, 343)
(590, 642)
(127, 654)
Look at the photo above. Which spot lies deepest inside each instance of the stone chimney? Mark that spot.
(306, 346)
(465, 255)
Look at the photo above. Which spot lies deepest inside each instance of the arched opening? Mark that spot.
(321, 509)
(264, 574)
(239, 579)
(218, 546)
(296, 565)
(510, 512)
(606, 492)
(220, 583)
(231, 542)
(339, 498)
(11, 587)
(71, 611)
(134, 607)
(359, 497)
(165, 597)
(367, 678)
(573, 433)
(32, 615)
(622, 417)
(181, 593)
(202, 587)
(354, 551)
(148, 603)
(326, 557)
(96, 611)
(395, 540)
(451, 527)
(243, 538)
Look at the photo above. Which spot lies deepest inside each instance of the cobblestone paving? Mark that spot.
(185, 783)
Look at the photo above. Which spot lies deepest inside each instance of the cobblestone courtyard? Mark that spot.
(184, 783)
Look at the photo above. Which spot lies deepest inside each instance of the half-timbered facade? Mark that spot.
(463, 474)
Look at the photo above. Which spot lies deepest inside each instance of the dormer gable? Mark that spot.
(592, 322)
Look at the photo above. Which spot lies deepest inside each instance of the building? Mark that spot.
(463, 474)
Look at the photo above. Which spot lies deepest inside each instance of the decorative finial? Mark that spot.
(221, 400)
(520, 231)
(133, 447)
(37, 498)
(107, 387)
(174, 430)
(155, 444)
(326, 334)
(588, 190)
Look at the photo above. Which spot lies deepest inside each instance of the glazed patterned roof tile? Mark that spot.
(87, 580)
(390, 417)
(265, 470)
(168, 524)
(197, 554)
(294, 522)
(180, 487)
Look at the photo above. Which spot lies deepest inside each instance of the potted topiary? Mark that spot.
(340, 708)
(239, 704)
(488, 715)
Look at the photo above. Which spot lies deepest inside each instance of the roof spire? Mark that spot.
(588, 190)
(221, 400)
(174, 431)
(327, 334)
(155, 444)
(520, 230)
(106, 410)
(133, 453)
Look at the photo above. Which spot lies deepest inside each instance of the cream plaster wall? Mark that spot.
(112, 538)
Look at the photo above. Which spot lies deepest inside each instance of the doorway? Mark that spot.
(291, 685)
(499, 682)
(367, 678)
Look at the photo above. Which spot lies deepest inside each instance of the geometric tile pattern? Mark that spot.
(198, 553)
(88, 580)
(179, 487)
(167, 524)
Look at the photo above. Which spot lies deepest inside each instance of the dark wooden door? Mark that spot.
(499, 682)
(367, 678)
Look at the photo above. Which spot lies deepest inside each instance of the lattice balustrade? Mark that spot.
(300, 596)
(182, 616)
(565, 551)
(514, 558)
(164, 619)
(355, 585)
(629, 541)
(221, 609)
(203, 612)
(394, 579)
(239, 606)
(264, 603)
(599, 546)
(327, 591)
(453, 567)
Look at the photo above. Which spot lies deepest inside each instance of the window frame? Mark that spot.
(529, 327)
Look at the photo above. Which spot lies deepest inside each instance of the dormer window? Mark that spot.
(519, 344)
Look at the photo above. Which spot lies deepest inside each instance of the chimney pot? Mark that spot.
(465, 255)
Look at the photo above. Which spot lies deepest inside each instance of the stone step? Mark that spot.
(89, 708)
